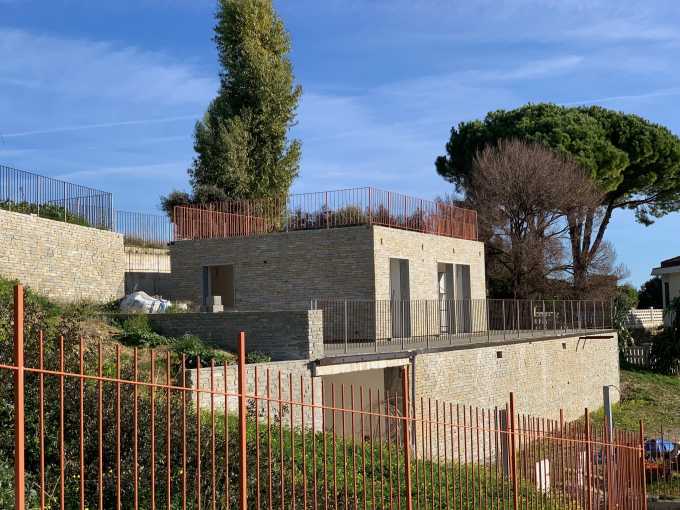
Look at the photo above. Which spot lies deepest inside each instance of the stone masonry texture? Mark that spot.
(284, 335)
(295, 375)
(545, 375)
(286, 270)
(63, 261)
(424, 252)
(280, 270)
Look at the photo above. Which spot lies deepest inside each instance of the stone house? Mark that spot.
(368, 261)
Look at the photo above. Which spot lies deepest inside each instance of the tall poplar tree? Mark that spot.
(242, 147)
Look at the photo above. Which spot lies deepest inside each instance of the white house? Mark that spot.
(669, 272)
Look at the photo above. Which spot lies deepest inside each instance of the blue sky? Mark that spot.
(106, 93)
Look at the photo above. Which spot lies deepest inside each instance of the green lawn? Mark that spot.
(654, 398)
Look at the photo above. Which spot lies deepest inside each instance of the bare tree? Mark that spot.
(523, 194)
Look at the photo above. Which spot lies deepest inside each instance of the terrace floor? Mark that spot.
(424, 343)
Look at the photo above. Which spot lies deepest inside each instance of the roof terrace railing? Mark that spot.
(50, 198)
(329, 209)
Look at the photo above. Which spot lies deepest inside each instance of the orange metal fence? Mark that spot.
(329, 209)
(100, 426)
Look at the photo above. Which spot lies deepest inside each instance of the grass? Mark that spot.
(654, 399)
(647, 396)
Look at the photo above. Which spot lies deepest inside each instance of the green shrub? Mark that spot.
(137, 332)
(49, 211)
(194, 348)
(257, 357)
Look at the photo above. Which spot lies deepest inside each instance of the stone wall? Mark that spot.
(286, 270)
(63, 261)
(545, 375)
(284, 335)
(281, 270)
(154, 284)
(147, 260)
(424, 252)
(291, 374)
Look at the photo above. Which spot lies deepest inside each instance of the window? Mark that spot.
(666, 295)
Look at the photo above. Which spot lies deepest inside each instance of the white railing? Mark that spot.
(645, 318)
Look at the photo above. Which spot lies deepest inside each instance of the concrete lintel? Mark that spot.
(321, 370)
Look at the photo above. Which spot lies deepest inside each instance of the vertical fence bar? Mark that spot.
(643, 481)
(512, 455)
(407, 449)
(19, 482)
(589, 460)
(243, 454)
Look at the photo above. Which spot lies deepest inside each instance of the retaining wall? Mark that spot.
(63, 261)
(291, 374)
(284, 335)
(545, 375)
(154, 284)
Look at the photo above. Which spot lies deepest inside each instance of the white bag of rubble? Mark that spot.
(141, 302)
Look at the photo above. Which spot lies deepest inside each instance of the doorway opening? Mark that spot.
(400, 304)
(219, 281)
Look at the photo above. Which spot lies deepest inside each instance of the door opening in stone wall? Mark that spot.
(463, 297)
(445, 290)
(219, 281)
(400, 305)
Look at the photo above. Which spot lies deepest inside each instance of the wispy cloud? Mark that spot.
(85, 68)
(624, 29)
(628, 97)
(101, 125)
(145, 171)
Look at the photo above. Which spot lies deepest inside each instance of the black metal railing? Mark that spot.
(389, 325)
(146, 230)
(30, 193)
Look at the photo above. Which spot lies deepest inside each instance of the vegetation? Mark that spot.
(49, 211)
(651, 397)
(241, 144)
(635, 164)
(523, 194)
(624, 301)
(649, 295)
(666, 346)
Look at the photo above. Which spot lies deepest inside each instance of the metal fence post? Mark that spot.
(243, 460)
(511, 439)
(19, 483)
(589, 461)
(643, 480)
(504, 327)
(407, 449)
(345, 322)
(543, 319)
(488, 321)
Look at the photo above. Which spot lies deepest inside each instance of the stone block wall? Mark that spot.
(424, 252)
(284, 335)
(147, 260)
(154, 284)
(281, 376)
(281, 270)
(63, 261)
(545, 375)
